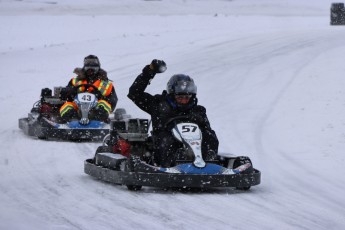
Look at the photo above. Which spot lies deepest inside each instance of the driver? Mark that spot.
(92, 74)
(178, 100)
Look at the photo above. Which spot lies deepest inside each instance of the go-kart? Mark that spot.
(44, 120)
(126, 158)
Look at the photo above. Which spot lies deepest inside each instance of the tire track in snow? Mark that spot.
(44, 188)
(286, 54)
(292, 174)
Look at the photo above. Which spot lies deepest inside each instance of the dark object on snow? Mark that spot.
(337, 14)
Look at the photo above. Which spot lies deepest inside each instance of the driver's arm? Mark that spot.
(198, 116)
(137, 90)
(112, 99)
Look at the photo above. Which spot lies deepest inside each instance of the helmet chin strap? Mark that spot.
(171, 101)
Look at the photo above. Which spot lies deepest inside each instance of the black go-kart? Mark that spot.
(126, 158)
(44, 120)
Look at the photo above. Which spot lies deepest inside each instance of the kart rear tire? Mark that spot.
(42, 137)
(241, 160)
(104, 149)
(134, 187)
(243, 188)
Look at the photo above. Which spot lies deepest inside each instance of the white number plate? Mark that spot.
(86, 97)
(189, 131)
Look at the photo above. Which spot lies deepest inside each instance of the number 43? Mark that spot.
(86, 98)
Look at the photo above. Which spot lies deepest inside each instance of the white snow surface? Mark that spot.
(269, 72)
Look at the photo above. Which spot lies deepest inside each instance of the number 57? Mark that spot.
(189, 128)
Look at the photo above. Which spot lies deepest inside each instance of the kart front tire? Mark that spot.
(134, 187)
(42, 137)
(243, 188)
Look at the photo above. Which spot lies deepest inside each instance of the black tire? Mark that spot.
(42, 137)
(243, 188)
(103, 149)
(134, 187)
(241, 161)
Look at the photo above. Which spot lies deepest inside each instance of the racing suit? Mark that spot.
(106, 103)
(161, 108)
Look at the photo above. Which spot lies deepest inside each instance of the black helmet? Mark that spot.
(181, 92)
(91, 65)
(181, 84)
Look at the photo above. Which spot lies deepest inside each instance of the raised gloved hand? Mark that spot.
(158, 66)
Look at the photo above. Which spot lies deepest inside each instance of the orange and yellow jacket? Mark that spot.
(108, 99)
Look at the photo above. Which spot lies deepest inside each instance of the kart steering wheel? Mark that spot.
(87, 86)
(173, 119)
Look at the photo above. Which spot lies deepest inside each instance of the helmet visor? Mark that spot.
(91, 62)
(183, 98)
(185, 87)
(90, 68)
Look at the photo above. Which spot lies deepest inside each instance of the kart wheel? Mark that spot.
(104, 149)
(243, 188)
(134, 187)
(42, 137)
(241, 160)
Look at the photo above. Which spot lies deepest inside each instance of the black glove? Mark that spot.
(196, 118)
(158, 66)
(100, 114)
